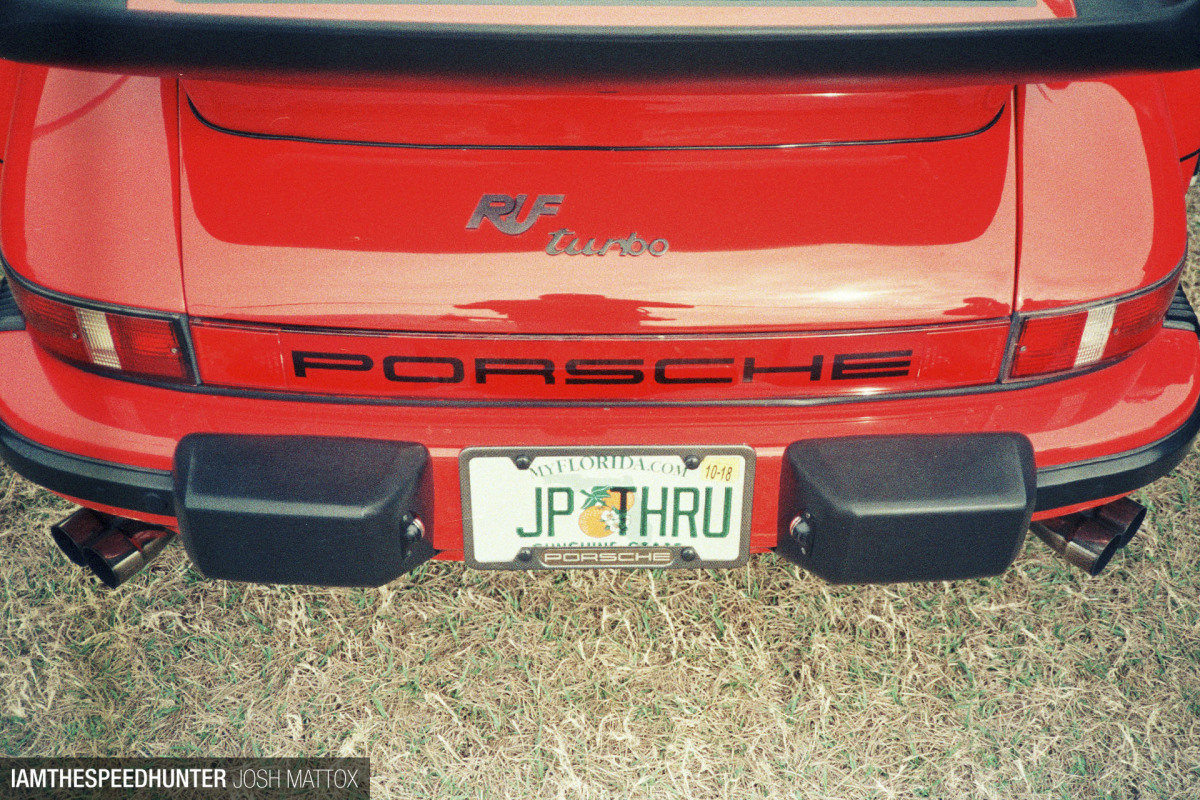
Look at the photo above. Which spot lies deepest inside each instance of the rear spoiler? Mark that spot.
(1102, 36)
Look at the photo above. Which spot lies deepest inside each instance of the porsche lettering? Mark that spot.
(609, 556)
(604, 371)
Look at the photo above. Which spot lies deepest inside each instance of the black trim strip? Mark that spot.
(665, 335)
(1113, 298)
(273, 137)
(784, 402)
(147, 490)
(178, 322)
(1084, 481)
(151, 491)
(50, 294)
(777, 402)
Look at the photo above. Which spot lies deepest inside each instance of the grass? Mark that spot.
(757, 682)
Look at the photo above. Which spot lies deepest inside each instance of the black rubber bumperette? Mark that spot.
(884, 509)
(327, 511)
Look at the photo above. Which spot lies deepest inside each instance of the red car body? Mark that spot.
(629, 262)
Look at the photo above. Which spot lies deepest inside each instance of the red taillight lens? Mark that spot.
(115, 341)
(1078, 338)
(53, 325)
(1048, 344)
(148, 346)
(1136, 321)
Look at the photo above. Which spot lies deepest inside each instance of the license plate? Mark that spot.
(623, 507)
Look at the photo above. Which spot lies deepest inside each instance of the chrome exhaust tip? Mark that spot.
(118, 556)
(113, 548)
(1086, 543)
(1089, 539)
(1125, 515)
(77, 531)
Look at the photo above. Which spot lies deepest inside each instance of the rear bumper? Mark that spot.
(149, 491)
(113, 443)
(1084, 481)
(145, 491)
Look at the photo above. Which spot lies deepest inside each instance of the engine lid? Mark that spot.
(652, 212)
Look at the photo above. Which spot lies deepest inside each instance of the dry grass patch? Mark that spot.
(758, 682)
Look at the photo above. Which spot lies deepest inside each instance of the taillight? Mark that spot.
(112, 340)
(1077, 338)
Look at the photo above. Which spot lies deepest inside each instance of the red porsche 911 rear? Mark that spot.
(328, 318)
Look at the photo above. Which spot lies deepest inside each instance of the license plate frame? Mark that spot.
(480, 552)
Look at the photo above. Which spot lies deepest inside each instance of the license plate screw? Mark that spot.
(522, 461)
(413, 530)
(801, 530)
(691, 461)
(525, 554)
(688, 554)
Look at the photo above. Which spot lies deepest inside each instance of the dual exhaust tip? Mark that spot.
(1089, 539)
(113, 548)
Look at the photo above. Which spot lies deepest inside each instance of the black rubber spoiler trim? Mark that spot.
(151, 491)
(1084, 481)
(1107, 36)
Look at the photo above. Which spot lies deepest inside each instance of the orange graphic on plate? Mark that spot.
(605, 509)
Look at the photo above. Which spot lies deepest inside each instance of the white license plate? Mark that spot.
(551, 508)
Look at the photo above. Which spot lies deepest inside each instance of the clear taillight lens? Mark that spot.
(116, 341)
(1080, 338)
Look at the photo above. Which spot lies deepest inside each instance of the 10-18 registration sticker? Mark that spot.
(607, 507)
